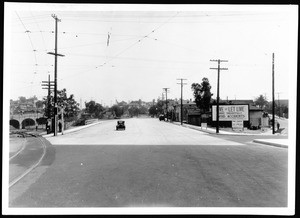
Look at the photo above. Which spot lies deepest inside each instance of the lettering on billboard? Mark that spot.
(231, 112)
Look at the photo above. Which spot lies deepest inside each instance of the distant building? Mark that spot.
(193, 115)
(282, 102)
(190, 112)
(255, 113)
(29, 106)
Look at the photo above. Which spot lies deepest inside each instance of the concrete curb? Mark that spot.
(270, 143)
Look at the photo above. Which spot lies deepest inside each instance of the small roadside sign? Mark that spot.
(204, 125)
(237, 125)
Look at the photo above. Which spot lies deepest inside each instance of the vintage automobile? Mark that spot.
(120, 125)
(161, 117)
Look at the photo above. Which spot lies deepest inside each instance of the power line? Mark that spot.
(27, 31)
(139, 40)
(174, 44)
(122, 18)
(130, 46)
(34, 50)
(40, 31)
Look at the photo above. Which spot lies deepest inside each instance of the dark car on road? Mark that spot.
(120, 125)
(161, 117)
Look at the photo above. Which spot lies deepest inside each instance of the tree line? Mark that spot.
(201, 93)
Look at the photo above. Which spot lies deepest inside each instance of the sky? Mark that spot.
(131, 52)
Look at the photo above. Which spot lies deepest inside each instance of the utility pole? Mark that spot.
(166, 90)
(62, 120)
(181, 114)
(279, 110)
(49, 85)
(273, 96)
(218, 87)
(55, 74)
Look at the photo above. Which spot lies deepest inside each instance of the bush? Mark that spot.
(80, 122)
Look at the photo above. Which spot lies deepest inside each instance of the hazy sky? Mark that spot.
(149, 48)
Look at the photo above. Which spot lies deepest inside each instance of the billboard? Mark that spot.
(231, 112)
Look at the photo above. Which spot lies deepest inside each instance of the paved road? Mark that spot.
(154, 163)
(29, 153)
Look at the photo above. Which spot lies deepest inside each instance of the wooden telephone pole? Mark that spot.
(49, 84)
(166, 90)
(273, 96)
(181, 108)
(218, 87)
(55, 74)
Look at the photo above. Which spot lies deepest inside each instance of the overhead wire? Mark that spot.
(124, 50)
(33, 48)
(153, 16)
(139, 40)
(112, 57)
(43, 40)
(27, 31)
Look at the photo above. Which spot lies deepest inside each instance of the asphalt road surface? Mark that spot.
(154, 163)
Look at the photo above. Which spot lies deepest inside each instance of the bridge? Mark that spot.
(19, 121)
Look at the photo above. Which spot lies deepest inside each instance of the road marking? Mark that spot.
(22, 148)
(31, 168)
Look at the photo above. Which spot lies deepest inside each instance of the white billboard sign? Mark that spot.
(231, 112)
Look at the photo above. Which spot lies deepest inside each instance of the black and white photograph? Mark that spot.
(149, 109)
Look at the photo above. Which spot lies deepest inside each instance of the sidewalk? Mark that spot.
(223, 132)
(77, 128)
(273, 142)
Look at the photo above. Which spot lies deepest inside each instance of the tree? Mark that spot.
(71, 107)
(117, 110)
(93, 108)
(39, 104)
(153, 110)
(261, 101)
(202, 94)
(41, 121)
(285, 111)
(134, 111)
(22, 99)
(157, 109)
